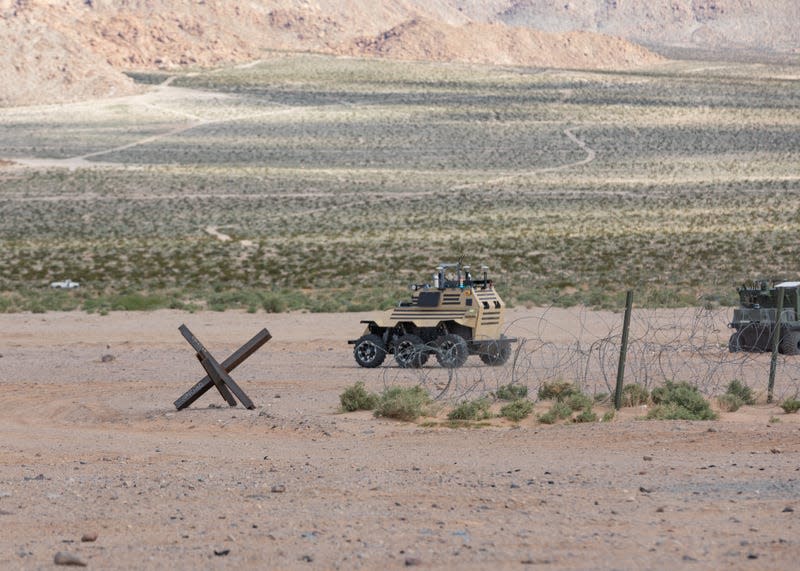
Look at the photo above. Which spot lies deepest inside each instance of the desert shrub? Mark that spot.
(579, 401)
(517, 410)
(403, 403)
(739, 389)
(356, 397)
(587, 415)
(601, 397)
(477, 409)
(608, 416)
(729, 402)
(511, 392)
(556, 390)
(679, 401)
(561, 410)
(634, 395)
(548, 417)
(790, 405)
(239, 299)
(273, 303)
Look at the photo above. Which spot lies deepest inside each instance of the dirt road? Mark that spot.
(91, 444)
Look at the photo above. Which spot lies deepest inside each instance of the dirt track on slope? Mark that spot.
(93, 445)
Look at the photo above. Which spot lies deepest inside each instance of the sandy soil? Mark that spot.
(90, 443)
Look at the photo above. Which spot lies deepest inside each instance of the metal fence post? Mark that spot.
(776, 339)
(623, 350)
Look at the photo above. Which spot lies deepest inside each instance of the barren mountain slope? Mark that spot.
(754, 24)
(60, 50)
(500, 44)
(73, 49)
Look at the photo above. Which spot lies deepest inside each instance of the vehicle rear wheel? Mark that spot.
(409, 352)
(369, 351)
(735, 343)
(496, 353)
(790, 343)
(452, 351)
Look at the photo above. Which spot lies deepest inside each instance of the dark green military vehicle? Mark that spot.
(756, 317)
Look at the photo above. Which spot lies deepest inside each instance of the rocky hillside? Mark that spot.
(57, 50)
(716, 24)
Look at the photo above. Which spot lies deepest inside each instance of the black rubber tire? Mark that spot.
(409, 352)
(452, 351)
(790, 343)
(370, 351)
(735, 342)
(496, 353)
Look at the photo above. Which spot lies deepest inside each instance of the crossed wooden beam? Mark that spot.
(217, 373)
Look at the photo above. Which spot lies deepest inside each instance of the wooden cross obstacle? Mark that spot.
(217, 373)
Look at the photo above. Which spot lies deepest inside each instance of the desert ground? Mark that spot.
(306, 184)
(91, 444)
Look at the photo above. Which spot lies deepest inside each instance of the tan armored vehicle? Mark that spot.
(452, 318)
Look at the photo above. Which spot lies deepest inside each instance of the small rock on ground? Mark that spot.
(64, 558)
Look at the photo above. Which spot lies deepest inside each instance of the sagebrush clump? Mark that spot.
(511, 392)
(403, 403)
(739, 389)
(356, 397)
(477, 409)
(556, 390)
(517, 410)
(634, 395)
(679, 401)
(790, 405)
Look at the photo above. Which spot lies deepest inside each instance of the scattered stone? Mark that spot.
(775, 450)
(645, 490)
(647, 458)
(64, 558)
(89, 537)
(712, 429)
(788, 509)
(39, 478)
(413, 561)
(752, 555)
(221, 552)
(278, 489)
(307, 558)
(107, 358)
(688, 558)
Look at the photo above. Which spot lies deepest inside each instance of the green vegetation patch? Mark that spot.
(403, 403)
(477, 409)
(679, 401)
(790, 405)
(738, 389)
(356, 397)
(511, 392)
(517, 410)
(573, 186)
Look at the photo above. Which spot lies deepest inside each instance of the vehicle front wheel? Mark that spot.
(369, 351)
(790, 343)
(452, 351)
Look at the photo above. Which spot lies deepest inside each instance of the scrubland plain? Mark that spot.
(329, 184)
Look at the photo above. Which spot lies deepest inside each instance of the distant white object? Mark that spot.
(66, 284)
(788, 284)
